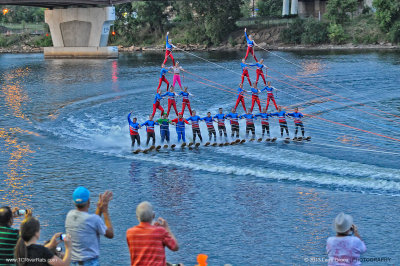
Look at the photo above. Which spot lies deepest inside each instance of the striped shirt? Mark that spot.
(8, 240)
(147, 244)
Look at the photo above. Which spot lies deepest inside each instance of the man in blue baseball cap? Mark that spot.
(85, 229)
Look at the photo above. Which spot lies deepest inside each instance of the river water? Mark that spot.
(63, 124)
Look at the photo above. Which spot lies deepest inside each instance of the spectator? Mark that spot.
(344, 248)
(8, 235)
(147, 242)
(86, 228)
(28, 253)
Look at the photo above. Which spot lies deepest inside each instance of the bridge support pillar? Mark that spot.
(294, 7)
(80, 32)
(285, 7)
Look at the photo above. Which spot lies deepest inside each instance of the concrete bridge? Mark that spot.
(79, 28)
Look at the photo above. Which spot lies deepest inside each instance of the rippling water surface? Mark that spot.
(63, 124)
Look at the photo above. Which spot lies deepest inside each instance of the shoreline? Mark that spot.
(203, 48)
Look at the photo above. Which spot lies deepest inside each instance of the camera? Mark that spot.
(21, 212)
(62, 237)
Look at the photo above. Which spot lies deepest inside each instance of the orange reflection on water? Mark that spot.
(313, 209)
(12, 91)
(14, 191)
(311, 68)
(14, 185)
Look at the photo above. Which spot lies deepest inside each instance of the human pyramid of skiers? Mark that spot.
(233, 117)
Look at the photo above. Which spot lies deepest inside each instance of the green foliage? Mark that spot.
(394, 33)
(16, 39)
(3, 41)
(17, 14)
(364, 29)
(140, 22)
(308, 31)
(269, 8)
(336, 33)
(217, 17)
(43, 41)
(315, 32)
(337, 10)
(292, 34)
(387, 13)
(245, 9)
(232, 41)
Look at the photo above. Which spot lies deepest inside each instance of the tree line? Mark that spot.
(211, 22)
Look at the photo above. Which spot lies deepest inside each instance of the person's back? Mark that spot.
(344, 250)
(85, 229)
(8, 240)
(38, 255)
(8, 236)
(147, 244)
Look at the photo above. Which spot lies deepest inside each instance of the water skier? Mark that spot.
(171, 100)
(210, 126)
(150, 130)
(281, 114)
(185, 100)
(134, 130)
(180, 127)
(297, 122)
(250, 45)
(270, 94)
(195, 119)
(168, 51)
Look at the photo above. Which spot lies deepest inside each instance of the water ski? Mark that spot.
(268, 139)
(207, 144)
(237, 141)
(242, 141)
(183, 145)
(226, 143)
(165, 146)
(173, 146)
(233, 143)
(287, 140)
(273, 139)
(152, 147)
(308, 138)
(190, 144)
(259, 140)
(145, 151)
(137, 151)
(197, 144)
(221, 144)
(158, 148)
(252, 139)
(214, 144)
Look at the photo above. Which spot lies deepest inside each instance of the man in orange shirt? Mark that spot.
(147, 241)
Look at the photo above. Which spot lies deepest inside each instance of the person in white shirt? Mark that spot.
(345, 248)
(176, 69)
